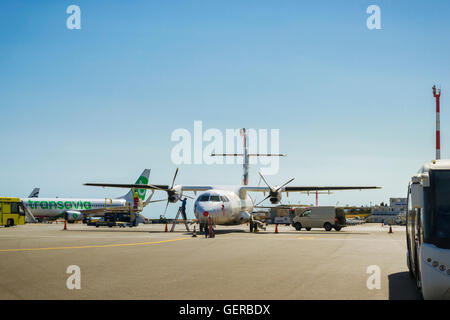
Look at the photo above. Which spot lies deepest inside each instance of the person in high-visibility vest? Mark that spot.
(135, 199)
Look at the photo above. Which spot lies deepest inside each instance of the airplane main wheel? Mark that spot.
(251, 226)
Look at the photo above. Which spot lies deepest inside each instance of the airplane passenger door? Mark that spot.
(108, 203)
(226, 207)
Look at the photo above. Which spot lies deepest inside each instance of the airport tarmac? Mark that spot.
(148, 263)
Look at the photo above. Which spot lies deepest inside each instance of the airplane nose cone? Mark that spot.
(204, 209)
(201, 210)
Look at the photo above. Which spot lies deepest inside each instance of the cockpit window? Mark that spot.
(203, 197)
(224, 199)
(214, 198)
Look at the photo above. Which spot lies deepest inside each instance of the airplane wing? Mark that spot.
(307, 188)
(327, 188)
(163, 187)
(245, 189)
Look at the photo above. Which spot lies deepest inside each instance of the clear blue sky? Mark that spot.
(354, 106)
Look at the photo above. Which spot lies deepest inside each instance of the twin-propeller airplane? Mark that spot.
(229, 205)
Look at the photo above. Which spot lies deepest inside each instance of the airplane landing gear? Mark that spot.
(253, 226)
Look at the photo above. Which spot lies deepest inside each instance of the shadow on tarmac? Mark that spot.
(402, 287)
(133, 230)
(217, 231)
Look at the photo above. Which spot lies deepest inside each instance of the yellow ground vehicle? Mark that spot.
(11, 212)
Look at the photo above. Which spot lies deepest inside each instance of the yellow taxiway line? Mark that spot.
(95, 246)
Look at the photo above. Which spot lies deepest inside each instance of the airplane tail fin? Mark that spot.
(246, 163)
(34, 193)
(246, 156)
(143, 179)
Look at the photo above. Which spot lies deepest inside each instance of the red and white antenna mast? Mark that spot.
(438, 122)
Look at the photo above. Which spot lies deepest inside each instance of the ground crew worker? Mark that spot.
(135, 199)
(183, 208)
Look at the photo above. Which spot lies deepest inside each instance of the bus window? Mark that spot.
(14, 207)
(441, 201)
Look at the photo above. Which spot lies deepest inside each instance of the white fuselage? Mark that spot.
(224, 205)
(56, 207)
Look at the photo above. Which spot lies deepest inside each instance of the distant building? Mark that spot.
(394, 213)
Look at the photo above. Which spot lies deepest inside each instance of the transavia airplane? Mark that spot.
(73, 209)
(230, 205)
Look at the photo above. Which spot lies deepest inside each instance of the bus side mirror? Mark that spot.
(416, 195)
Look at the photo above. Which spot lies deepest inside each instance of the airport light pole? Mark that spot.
(437, 96)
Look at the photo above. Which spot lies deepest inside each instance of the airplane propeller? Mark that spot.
(274, 191)
(173, 195)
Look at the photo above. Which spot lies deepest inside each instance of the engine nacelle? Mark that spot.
(275, 197)
(174, 194)
(73, 215)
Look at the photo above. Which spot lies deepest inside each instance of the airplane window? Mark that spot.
(203, 197)
(214, 198)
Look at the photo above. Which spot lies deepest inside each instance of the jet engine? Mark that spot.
(73, 215)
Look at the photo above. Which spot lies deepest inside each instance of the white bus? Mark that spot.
(428, 229)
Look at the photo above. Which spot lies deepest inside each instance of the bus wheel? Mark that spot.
(10, 223)
(308, 229)
(327, 226)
